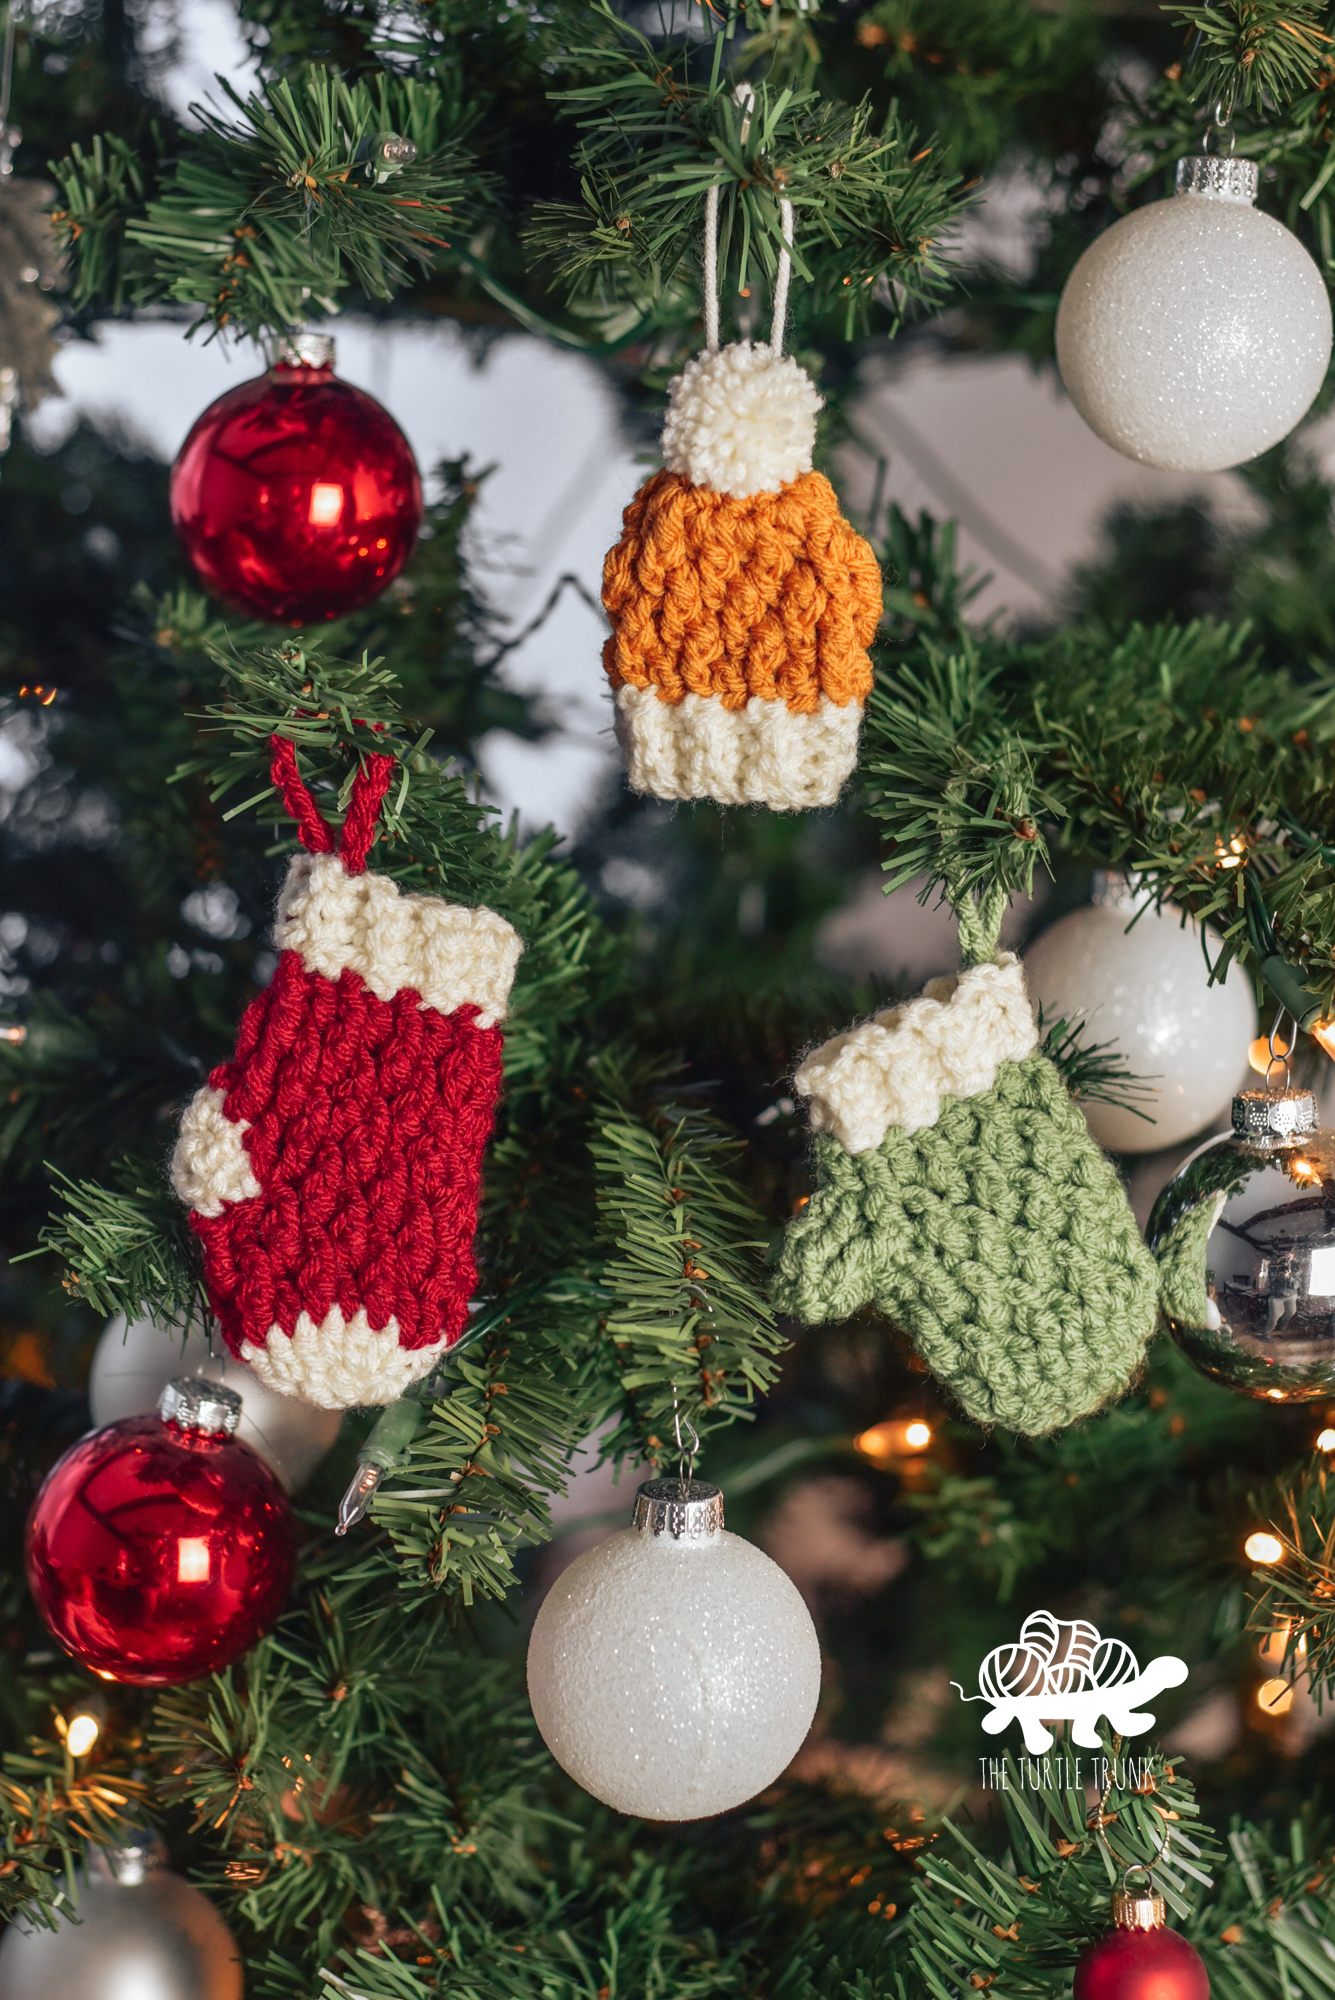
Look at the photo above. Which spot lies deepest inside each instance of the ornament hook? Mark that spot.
(1221, 122)
(1278, 1056)
(685, 1458)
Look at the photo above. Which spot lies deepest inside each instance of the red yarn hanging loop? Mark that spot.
(315, 835)
(368, 793)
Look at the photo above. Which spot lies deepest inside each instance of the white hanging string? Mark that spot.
(711, 269)
(782, 276)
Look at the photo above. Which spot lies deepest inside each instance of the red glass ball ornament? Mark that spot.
(1141, 1965)
(160, 1548)
(296, 496)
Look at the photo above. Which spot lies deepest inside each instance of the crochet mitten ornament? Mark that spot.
(741, 602)
(333, 1166)
(959, 1190)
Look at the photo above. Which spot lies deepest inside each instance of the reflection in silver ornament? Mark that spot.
(132, 1366)
(1245, 1238)
(142, 1933)
(1137, 978)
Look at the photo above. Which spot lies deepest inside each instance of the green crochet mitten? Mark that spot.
(959, 1190)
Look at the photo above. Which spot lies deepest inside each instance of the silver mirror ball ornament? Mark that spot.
(674, 1669)
(1245, 1238)
(132, 1365)
(141, 1933)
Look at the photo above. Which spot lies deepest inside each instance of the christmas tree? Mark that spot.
(863, 1268)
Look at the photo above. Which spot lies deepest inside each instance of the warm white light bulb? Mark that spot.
(82, 1734)
(1263, 1548)
(1195, 332)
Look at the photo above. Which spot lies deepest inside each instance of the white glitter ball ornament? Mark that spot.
(133, 1365)
(1195, 332)
(1147, 991)
(674, 1670)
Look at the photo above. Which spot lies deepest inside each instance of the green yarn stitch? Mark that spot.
(1000, 1237)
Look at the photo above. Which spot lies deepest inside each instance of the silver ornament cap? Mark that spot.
(1273, 1118)
(1223, 177)
(199, 1405)
(677, 1507)
(302, 349)
(127, 1927)
(130, 1862)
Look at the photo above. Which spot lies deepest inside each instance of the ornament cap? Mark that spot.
(129, 1861)
(200, 1405)
(1220, 176)
(1141, 1910)
(1273, 1118)
(678, 1507)
(302, 349)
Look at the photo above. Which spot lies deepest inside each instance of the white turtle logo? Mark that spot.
(1063, 1670)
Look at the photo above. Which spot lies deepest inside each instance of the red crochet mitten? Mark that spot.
(333, 1167)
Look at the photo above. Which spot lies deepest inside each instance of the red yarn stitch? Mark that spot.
(368, 1120)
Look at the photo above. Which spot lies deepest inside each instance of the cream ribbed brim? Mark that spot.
(763, 754)
(340, 1363)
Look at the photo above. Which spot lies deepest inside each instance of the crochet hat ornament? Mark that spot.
(958, 1189)
(333, 1167)
(741, 602)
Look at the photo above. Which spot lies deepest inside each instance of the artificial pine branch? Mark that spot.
(1295, 1596)
(693, 1335)
(872, 205)
(1261, 1918)
(1170, 753)
(125, 1248)
(255, 218)
(1247, 51)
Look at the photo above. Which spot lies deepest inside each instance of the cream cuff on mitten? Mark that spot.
(896, 1068)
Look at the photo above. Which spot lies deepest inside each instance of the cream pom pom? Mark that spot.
(741, 420)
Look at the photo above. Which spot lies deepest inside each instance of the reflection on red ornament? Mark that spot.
(161, 1550)
(296, 496)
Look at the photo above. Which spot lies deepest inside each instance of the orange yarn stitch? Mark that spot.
(772, 595)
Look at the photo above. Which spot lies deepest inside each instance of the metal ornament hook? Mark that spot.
(1279, 1056)
(1221, 121)
(685, 1458)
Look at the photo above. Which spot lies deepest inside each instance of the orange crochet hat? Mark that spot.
(742, 603)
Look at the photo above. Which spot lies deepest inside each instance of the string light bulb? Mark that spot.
(1325, 1440)
(81, 1733)
(1259, 1056)
(897, 1438)
(1263, 1548)
(1324, 1032)
(1274, 1697)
